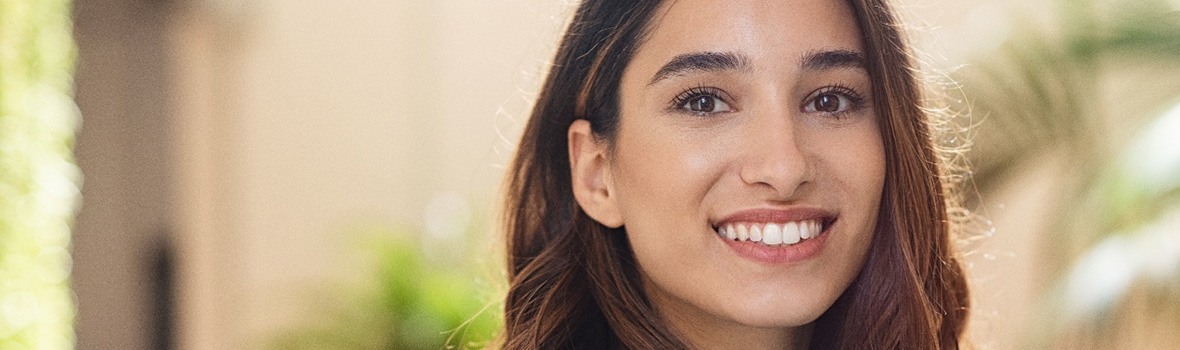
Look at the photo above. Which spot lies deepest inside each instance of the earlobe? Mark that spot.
(589, 174)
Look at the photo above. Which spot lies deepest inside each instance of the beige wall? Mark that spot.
(317, 117)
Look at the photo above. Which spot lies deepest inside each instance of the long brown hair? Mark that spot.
(574, 282)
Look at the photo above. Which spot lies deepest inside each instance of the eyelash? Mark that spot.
(696, 92)
(854, 98)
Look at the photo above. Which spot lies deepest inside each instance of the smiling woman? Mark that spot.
(751, 174)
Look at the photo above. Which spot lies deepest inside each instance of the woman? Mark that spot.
(740, 174)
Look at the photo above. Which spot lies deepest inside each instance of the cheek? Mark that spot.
(851, 171)
(855, 160)
(872, 174)
(862, 181)
(866, 175)
(662, 175)
(656, 169)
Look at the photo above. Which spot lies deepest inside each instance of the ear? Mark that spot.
(590, 174)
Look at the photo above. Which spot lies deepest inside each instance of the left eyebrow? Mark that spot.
(701, 61)
(832, 59)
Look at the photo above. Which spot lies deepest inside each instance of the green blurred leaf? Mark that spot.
(37, 177)
(412, 303)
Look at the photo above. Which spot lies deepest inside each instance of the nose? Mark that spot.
(774, 158)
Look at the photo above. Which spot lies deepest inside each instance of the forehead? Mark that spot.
(775, 34)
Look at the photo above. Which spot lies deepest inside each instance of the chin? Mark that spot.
(780, 314)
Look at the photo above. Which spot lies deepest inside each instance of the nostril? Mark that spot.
(784, 174)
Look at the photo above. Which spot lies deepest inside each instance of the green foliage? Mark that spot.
(412, 300)
(37, 176)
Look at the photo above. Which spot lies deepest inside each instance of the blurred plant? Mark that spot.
(411, 300)
(1082, 99)
(37, 176)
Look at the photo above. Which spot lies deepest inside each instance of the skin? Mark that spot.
(768, 133)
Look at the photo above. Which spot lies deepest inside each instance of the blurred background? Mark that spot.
(266, 174)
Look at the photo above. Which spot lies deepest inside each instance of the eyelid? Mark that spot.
(855, 98)
(714, 92)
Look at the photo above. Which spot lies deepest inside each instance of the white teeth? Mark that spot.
(772, 235)
(791, 233)
(811, 231)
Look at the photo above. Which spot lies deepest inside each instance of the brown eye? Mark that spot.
(702, 101)
(704, 104)
(827, 103)
(832, 101)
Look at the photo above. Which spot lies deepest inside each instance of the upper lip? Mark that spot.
(787, 214)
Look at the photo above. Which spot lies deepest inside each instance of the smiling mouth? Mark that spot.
(774, 234)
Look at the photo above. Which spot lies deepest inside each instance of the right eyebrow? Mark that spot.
(701, 61)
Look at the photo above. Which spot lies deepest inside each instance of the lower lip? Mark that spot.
(765, 254)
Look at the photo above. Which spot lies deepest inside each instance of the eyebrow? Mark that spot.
(718, 61)
(701, 61)
(832, 59)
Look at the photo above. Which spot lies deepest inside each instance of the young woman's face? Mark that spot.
(748, 166)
